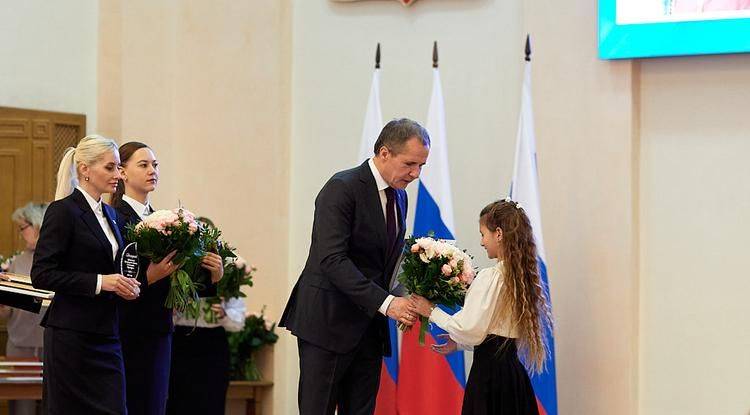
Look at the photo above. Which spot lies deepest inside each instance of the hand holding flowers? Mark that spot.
(214, 264)
(437, 271)
(176, 244)
(164, 268)
(421, 305)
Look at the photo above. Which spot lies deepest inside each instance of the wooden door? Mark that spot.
(31, 146)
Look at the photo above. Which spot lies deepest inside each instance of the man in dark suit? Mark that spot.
(339, 305)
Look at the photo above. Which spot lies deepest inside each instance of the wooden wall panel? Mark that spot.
(31, 145)
(41, 172)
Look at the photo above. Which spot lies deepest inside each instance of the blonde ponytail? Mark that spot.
(67, 178)
(89, 150)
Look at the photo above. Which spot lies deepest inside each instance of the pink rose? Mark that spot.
(467, 276)
(415, 248)
(447, 270)
(453, 263)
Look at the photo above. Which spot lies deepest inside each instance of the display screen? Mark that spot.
(650, 28)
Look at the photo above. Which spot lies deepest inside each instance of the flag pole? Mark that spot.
(377, 57)
(528, 48)
(434, 55)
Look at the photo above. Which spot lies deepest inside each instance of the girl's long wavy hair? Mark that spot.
(523, 300)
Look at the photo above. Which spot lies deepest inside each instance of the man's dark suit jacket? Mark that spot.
(348, 269)
(72, 249)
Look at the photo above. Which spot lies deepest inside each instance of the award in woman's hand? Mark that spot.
(129, 265)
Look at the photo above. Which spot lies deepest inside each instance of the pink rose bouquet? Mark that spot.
(165, 231)
(437, 271)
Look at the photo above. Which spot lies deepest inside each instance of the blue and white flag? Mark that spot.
(525, 190)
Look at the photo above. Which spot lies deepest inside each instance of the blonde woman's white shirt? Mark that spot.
(96, 206)
(471, 325)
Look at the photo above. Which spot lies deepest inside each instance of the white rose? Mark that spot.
(425, 243)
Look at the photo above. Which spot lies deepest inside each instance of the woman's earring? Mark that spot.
(87, 179)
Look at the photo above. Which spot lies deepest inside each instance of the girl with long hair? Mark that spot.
(506, 313)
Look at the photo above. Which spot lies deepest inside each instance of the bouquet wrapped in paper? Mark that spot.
(165, 231)
(437, 271)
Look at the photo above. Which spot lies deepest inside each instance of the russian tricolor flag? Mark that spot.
(429, 382)
(525, 190)
(373, 124)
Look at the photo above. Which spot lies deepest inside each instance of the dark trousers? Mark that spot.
(199, 376)
(147, 357)
(348, 381)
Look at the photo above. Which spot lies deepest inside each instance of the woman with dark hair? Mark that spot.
(75, 257)
(146, 324)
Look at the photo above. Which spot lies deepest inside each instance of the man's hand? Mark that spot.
(401, 310)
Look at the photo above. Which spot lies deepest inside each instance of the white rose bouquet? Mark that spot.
(437, 271)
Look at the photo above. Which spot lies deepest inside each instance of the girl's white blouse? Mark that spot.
(471, 325)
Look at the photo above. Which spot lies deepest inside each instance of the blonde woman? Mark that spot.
(75, 257)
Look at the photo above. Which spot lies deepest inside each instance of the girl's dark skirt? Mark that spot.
(498, 383)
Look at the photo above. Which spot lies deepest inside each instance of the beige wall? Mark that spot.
(205, 84)
(587, 144)
(695, 194)
(48, 56)
(251, 106)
